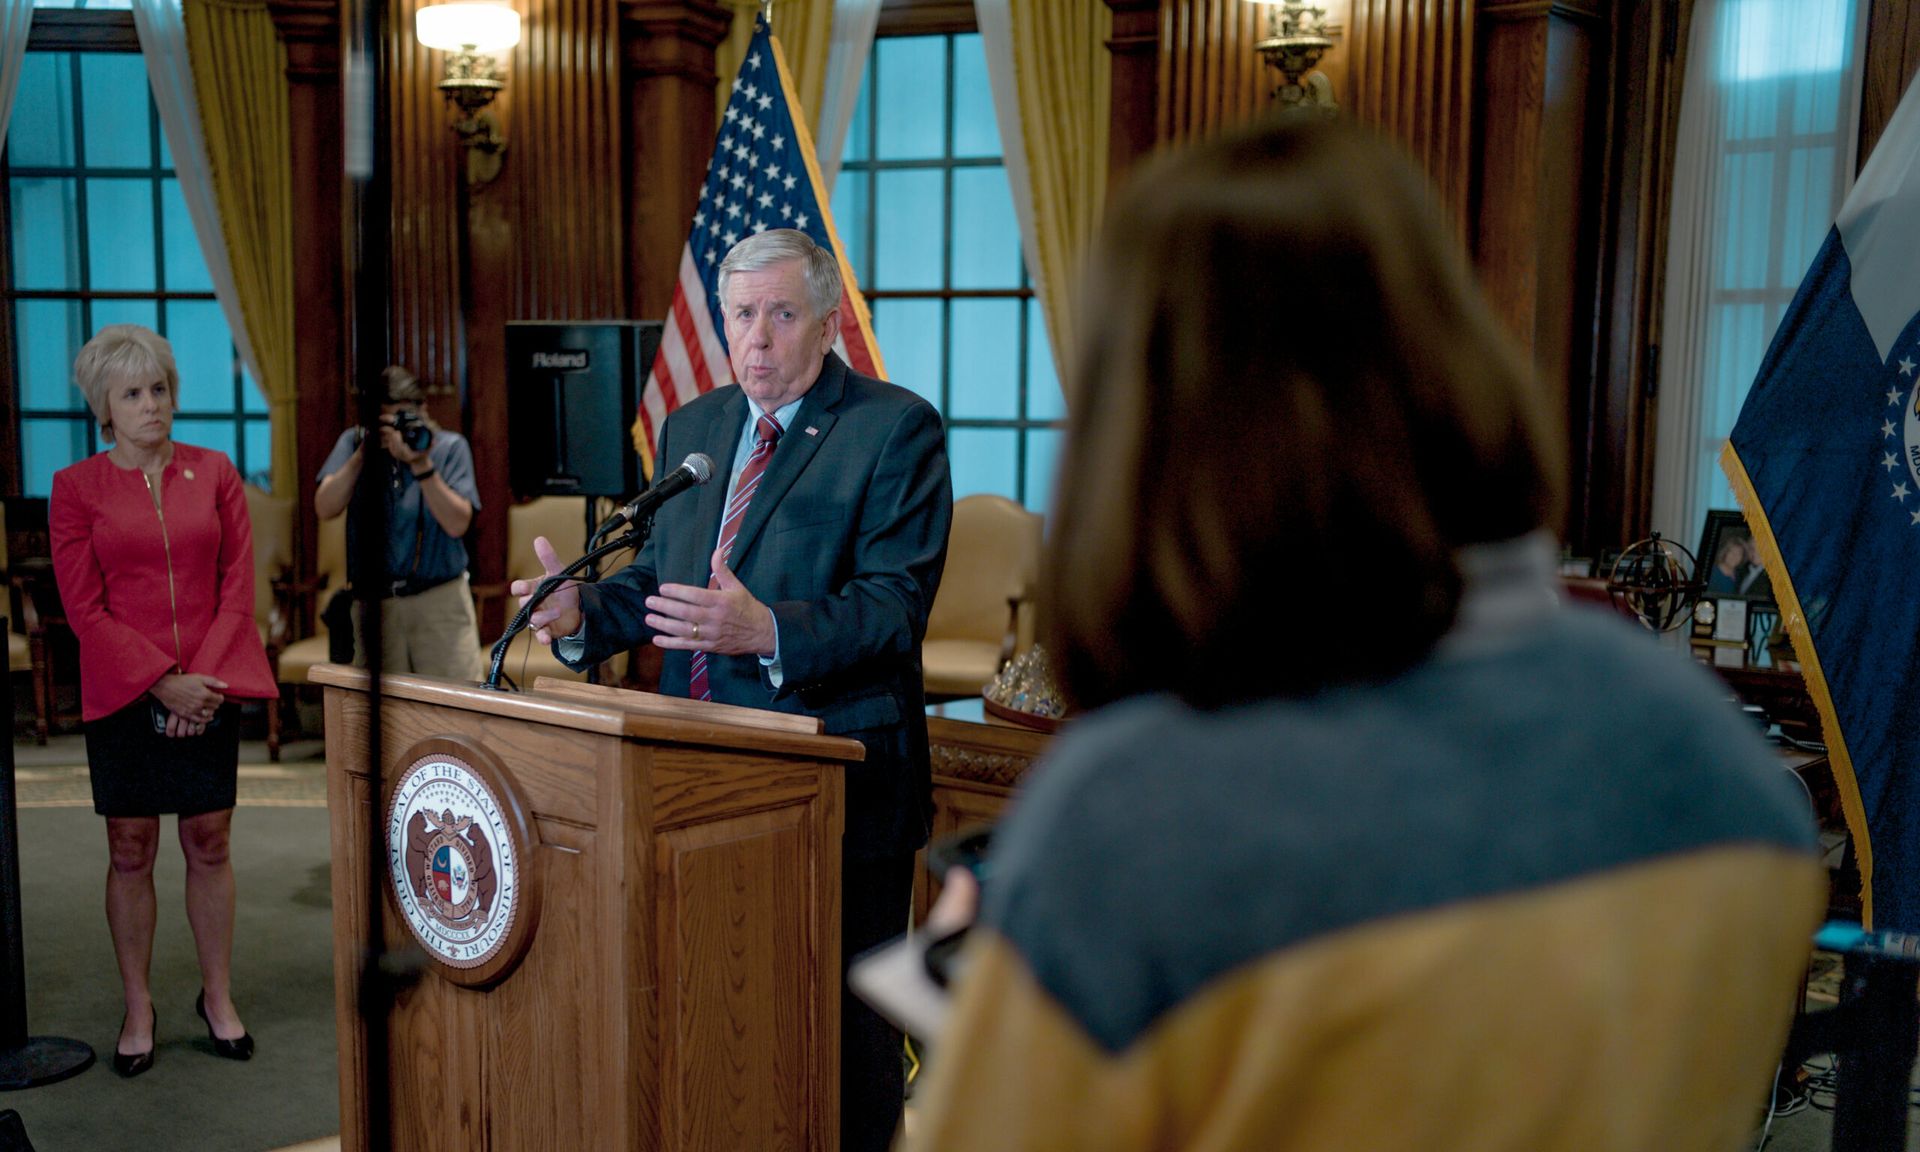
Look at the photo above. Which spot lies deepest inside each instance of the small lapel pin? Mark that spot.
(188, 473)
(812, 431)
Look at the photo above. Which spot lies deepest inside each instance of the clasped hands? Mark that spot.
(725, 620)
(191, 698)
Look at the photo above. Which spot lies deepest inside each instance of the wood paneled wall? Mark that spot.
(1893, 56)
(1409, 72)
(1209, 74)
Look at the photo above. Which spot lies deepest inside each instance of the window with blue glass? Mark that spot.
(924, 211)
(98, 234)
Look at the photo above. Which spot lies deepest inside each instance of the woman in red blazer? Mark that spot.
(154, 556)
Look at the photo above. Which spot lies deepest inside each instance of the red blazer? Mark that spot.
(152, 593)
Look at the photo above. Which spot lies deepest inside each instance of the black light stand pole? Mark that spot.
(370, 183)
(25, 1061)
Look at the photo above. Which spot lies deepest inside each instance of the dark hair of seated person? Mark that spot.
(1291, 405)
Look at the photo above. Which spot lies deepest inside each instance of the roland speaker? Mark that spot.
(572, 391)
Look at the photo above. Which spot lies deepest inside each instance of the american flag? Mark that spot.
(763, 175)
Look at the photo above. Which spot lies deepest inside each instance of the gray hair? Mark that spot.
(119, 353)
(778, 245)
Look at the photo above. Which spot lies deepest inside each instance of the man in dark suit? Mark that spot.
(800, 581)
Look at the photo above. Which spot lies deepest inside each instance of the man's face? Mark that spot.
(774, 342)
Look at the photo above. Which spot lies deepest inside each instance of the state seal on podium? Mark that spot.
(459, 859)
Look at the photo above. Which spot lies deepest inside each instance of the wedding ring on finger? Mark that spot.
(696, 631)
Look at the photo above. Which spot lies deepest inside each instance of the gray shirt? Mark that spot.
(419, 551)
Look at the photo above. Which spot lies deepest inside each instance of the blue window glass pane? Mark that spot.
(907, 208)
(985, 352)
(983, 460)
(48, 335)
(1044, 401)
(40, 131)
(257, 468)
(851, 211)
(1809, 199)
(58, 3)
(46, 446)
(975, 131)
(120, 235)
(215, 434)
(203, 352)
(986, 236)
(113, 97)
(99, 4)
(186, 267)
(1747, 222)
(166, 154)
(1043, 458)
(143, 312)
(861, 126)
(46, 246)
(910, 97)
(252, 400)
(911, 336)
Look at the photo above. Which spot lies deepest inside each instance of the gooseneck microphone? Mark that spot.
(694, 471)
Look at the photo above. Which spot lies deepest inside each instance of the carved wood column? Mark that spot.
(668, 49)
(1134, 107)
(1534, 176)
(310, 29)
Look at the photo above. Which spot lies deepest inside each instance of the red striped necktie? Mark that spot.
(766, 434)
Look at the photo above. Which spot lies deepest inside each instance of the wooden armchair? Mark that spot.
(297, 601)
(32, 609)
(562, 520)
(982, 614)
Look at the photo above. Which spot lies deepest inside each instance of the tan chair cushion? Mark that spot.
(562, 520)
(299, 657)
(958, 667)
(19, 653)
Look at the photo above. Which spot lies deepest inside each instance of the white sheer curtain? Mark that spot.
(162, 29)
(996, 38)
(16, 18)
(1769, 117)
(854, 22)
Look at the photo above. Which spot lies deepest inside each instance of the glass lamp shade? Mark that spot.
(478, 25)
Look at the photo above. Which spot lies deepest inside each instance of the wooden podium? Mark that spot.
(643, 953)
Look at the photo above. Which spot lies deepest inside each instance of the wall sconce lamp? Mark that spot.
(472, 31)
(1298, 35)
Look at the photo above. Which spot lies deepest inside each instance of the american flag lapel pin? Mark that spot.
(812, 431)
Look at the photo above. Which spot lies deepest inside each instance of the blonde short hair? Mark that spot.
(118, 353)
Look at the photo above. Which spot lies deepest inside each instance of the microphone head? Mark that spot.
(700, 464)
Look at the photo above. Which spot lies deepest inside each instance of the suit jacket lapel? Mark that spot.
(811, 423)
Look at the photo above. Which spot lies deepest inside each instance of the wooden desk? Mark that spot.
(976, 767)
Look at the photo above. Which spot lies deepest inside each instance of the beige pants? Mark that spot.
(432, 633)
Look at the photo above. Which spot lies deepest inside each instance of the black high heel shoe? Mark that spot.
(131, 1064)
(241, 1049)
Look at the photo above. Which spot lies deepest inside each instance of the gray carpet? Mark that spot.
(283, 971)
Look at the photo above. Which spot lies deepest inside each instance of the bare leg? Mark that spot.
(203, 839)
(132, 842)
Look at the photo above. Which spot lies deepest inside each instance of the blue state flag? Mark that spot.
(1825, 459)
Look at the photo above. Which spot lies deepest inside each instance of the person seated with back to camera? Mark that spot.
(1365, 839)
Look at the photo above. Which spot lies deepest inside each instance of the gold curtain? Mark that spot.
(1062, 72)
(804, 28)
(240, 81)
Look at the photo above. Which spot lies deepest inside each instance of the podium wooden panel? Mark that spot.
(681, 989)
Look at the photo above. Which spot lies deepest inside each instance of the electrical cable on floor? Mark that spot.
(1773, 1109)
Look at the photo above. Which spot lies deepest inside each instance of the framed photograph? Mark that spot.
(1729, 565)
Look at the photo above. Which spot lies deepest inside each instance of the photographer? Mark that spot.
(427, 620)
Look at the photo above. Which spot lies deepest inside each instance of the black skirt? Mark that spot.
(140, 772)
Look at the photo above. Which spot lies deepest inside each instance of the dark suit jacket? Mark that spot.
(845, 541)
